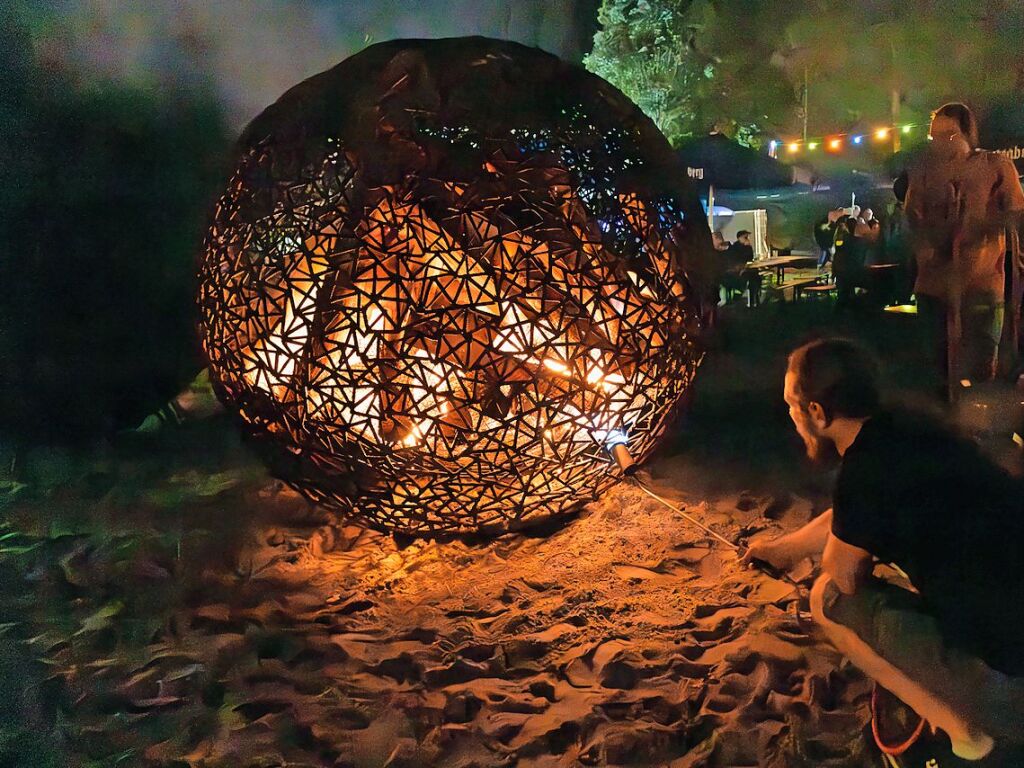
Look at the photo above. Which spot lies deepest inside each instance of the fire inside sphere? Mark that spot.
(445, 276)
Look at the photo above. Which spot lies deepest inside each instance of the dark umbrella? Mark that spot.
(718, 160)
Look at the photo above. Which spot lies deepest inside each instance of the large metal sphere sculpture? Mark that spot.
(444, 275)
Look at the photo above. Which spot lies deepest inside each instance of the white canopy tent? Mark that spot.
(754, 221)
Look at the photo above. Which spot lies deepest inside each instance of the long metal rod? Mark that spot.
(774, 573)
(687, 517)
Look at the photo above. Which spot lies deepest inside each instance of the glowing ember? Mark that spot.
(444, 273)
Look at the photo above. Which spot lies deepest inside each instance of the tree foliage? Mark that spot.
(739, 67)
(645, 49)
(919, 53)
(695, 65)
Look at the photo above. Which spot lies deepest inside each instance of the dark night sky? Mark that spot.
(115, 122)
(251, 51)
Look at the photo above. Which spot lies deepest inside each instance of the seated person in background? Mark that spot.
(913, 494)
(737, 275)
(721, 245)
(742, 250)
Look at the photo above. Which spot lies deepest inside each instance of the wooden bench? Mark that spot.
(798, 287)
(817, 289)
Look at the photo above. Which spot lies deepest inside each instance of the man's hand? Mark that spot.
(785, 552)
(773, 552)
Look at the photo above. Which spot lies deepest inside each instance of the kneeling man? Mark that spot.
(914, 495)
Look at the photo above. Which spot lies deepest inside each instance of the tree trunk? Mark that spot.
(894, 114)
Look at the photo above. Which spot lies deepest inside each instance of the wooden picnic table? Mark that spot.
(780, 264)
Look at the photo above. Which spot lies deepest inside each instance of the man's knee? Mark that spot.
(835, 614)
(823, 594)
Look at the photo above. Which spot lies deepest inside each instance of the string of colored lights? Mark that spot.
(836, 141)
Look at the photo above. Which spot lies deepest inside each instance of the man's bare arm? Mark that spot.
(788, 550)
(846, 564)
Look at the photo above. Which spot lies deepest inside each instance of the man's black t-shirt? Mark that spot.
(915, 495)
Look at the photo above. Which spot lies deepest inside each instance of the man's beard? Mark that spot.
(815, 447)
(819, 450)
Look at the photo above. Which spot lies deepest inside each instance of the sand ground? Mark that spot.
(164, 602)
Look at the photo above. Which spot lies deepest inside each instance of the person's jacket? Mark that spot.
(825, 233)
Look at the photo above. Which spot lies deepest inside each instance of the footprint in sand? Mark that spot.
(769, 590)
(736, 610)
(461, 707)
(521, 651)
(402, 668)
(717, 630)
(554, 633)
(355, 605)
(691, 555)
(628, 572)
(543, 689)
(619, 674)
(580, 666)
(457, 672)
(478, 653)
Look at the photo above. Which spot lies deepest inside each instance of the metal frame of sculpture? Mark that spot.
(444, 277)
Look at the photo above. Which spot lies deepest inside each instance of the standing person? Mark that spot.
(848, 263)
(1014, 294)
(881, 284)
(913, 494)
(825, 235)
(959, 202)
(869, 230)
(896, 250)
